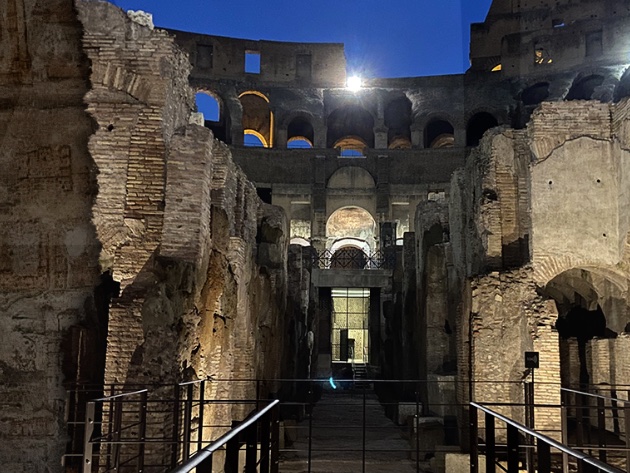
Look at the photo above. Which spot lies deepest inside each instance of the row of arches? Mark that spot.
(349, 128)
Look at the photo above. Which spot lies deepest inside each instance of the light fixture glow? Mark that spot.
(354, 83)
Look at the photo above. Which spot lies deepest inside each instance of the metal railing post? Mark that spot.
(187, 420)
(544, 457)
(601, 428)
(87, 437)
(417, 427)
(363, 439)
(275, 439)
(202, 400)
(564, 419)
(117, 433)
(473, 422)
(142, 430)
(490, 443)
(265, 453)
(231, 456)
(175, 450)
(250, 448)
(512, 445)
(310, 426)
(626, 423)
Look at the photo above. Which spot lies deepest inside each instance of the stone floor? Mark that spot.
(338, 436)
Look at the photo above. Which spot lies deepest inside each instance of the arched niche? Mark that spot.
(300, 132)
(350, 120)
(535, 94)
(478, 124)
(439, 133)
(257, 118)
(351, 177)
(353, 226)
(584, 87)
(398, 121)
(351, 146)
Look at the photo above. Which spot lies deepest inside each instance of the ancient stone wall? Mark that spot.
(508, 319)
(48, 244)
(200, 259)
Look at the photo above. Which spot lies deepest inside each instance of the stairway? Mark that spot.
(360, 375)
(337, 438)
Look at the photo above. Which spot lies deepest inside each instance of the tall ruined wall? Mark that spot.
(200, 260)
(539, 224)
(178, 219)
(48, 245)
(579, 201)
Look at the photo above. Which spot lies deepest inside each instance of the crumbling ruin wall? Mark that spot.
(48, 244)
(501, 315)
(201, 261)
(508, 318)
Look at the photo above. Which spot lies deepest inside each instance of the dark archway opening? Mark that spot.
(477, 126)
(439, 134)
(350, 120)
(584, 88)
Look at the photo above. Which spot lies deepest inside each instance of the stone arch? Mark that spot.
(535, 94)
(350, 120)
(591, 305)
(583, 87)
(398, 118)
(218, 119)
(351, 225)
(477, 125)
(299, 126)
(351, 177)
(439, 133)
(257, 118)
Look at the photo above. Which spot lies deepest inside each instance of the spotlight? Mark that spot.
(354, 83)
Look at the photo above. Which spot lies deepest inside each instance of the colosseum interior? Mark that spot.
(423, 233)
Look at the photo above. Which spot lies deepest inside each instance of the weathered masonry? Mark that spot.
(430, 228)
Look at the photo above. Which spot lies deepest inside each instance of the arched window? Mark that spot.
(477, 126)
(299, 142)
(253, 139)
(351, 147)
(398, 123)
(353, 226)
(351, 120)
(584, 88)
(257, 119)
(439, 134)
(300, 133)
(208, 105)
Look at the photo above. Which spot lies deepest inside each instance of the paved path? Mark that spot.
(338, 437)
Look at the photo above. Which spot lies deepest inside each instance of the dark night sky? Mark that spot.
(397, 38)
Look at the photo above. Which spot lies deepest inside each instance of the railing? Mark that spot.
(351, 259)
(602, 432)
(155, 430)
(126, 433)
(519, 437)
(150, 430)
(262, 428)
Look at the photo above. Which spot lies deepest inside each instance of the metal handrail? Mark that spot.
(597, 396)
(547, 440)
(207, 452)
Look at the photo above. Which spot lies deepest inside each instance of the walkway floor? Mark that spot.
(338, 437)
